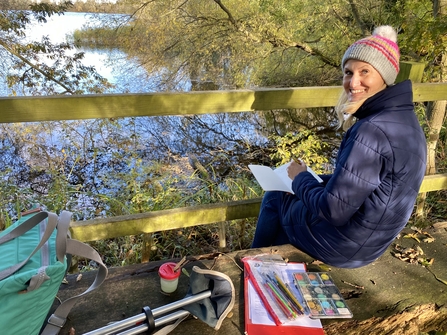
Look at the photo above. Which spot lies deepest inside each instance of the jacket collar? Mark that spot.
(398, 95)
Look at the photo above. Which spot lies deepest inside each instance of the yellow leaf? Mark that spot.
(416, 229)
(414, 236)
(428, 240)
(419, 249)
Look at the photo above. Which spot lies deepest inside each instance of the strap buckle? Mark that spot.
(56, 321)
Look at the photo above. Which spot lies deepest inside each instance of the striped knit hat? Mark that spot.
(380, 50)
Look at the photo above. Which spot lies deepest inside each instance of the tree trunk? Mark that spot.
(435, 117)
(436, 110)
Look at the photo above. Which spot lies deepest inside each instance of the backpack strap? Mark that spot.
(22, 229)
(65, 245)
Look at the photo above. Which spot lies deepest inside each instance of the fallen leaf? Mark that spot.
(410, 255)
(185, 272)
(419, 249)
(426, 261)
(79, 277)
(316, 262)
(323, 267)
(416, 229)
(413, 236)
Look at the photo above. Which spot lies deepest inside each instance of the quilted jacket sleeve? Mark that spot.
(364, 159)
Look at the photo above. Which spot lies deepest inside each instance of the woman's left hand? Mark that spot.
(295, 168)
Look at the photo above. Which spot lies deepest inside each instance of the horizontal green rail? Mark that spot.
(151, 222)
(31, 109)
(435, 182)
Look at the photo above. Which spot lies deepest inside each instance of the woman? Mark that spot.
(351, 218)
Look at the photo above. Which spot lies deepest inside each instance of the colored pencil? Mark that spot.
(286, 301)
(285, 289)
(284, 308)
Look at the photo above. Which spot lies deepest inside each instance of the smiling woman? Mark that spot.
(351, 218)
(361, 80)
(369, 65)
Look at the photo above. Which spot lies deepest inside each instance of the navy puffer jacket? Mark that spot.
(351, 219)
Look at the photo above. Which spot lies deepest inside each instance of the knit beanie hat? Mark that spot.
(380, 50)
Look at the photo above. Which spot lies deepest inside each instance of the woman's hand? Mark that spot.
(295, 168)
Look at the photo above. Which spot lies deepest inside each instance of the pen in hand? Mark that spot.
(296, 167)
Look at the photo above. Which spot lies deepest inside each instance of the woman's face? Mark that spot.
(361, 80)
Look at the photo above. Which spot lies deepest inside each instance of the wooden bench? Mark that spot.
(389, 296)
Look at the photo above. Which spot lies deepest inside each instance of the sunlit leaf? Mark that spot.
(413, 236)
(428, 238)
(416, 229)
(419, 249)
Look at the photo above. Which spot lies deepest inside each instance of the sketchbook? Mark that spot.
(276, 179)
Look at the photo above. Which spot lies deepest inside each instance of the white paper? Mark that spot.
(258, 313)
(276, 179)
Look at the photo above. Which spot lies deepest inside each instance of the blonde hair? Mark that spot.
(345, 111)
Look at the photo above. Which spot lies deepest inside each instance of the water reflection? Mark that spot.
(124, 72)
(155, 138)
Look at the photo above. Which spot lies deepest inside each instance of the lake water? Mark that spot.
(130, 77)
(112, 64)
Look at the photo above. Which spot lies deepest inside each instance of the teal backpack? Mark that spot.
(33, 264)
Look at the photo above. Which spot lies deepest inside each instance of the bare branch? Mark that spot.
(225, 9)
(356, 14)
